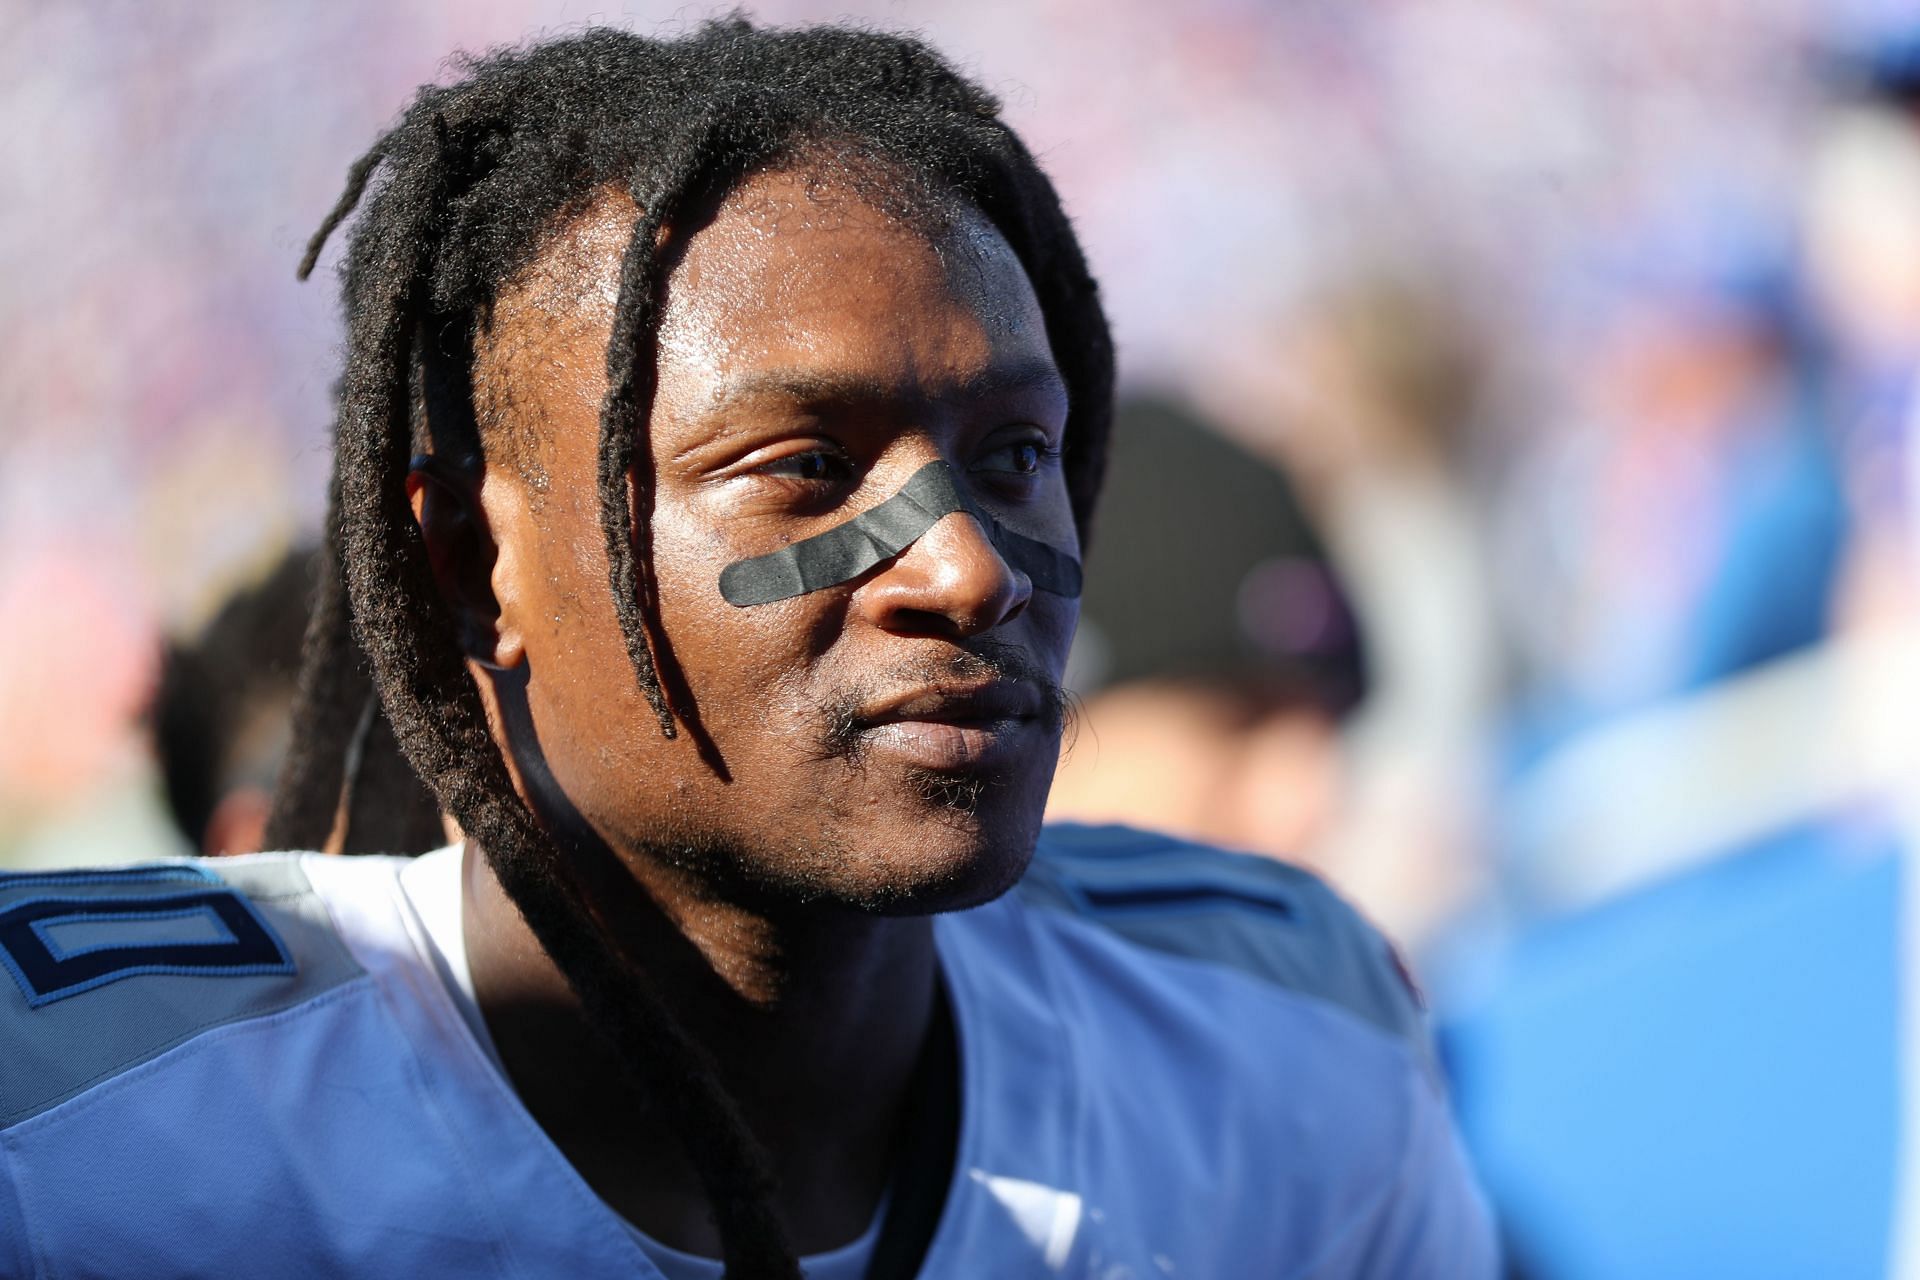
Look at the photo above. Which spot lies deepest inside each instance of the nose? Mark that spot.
(952, 582)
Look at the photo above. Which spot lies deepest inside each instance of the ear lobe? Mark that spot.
(461, 549)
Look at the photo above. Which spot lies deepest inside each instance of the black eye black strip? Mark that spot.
(880, 533)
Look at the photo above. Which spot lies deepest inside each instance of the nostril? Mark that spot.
(926, 622)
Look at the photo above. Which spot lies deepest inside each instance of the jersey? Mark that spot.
(1173, 1062)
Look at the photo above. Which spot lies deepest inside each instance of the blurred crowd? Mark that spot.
(1520, 441)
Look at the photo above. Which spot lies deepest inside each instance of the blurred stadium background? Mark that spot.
(1537, 384)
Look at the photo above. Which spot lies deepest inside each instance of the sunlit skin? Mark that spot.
(813, 354)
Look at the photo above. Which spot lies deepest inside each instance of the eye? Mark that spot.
(815, 466)
(1020, 458)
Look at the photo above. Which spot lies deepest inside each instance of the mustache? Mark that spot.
(979, 660)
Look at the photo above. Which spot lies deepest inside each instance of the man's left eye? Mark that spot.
(1021, 459)
(813, 466)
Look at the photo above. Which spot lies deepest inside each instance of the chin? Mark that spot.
(958, 845)
(881, 836)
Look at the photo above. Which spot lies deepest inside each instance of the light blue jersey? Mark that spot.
(260, 1067)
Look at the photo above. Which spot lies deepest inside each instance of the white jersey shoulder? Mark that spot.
(110, 968)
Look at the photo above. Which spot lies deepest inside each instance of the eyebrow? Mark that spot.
(1034, 376)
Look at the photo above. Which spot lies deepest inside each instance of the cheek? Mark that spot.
(744, 666)
(1046, 630)
(706, 632)
(581, 682)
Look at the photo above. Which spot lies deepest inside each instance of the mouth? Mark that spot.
(951, 728)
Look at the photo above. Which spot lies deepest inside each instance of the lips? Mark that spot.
(958, 705)
(953, 727)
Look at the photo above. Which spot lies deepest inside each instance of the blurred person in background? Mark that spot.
(1693, 507)
(1862, 240)
(223, 712)
(1213, 707)
(1370, 398)
(222, 720)
(1862, 253)
(1682, 1038)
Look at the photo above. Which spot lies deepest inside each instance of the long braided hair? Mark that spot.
(458, 197)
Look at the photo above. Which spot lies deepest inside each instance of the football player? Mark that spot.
(722, 422)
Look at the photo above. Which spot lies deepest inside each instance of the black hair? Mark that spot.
(459, 196)
(240, 667)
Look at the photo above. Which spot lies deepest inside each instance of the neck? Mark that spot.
(814, 1021)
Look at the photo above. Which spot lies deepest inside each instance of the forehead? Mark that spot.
(800, 290)
(794, 257)
(796, 282)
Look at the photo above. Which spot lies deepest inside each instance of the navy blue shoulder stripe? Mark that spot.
(232, 938)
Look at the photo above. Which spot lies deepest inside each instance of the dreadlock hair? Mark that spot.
(463, 190)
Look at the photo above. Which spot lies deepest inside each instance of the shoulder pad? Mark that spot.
(108, 968)
(1270, 919)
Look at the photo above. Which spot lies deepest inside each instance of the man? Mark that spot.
(1213, 705)
(783, 338)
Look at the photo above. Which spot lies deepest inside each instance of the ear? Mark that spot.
(460, 546)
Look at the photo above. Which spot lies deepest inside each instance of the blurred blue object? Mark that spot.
(1700, 1078)
(1783, 533)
